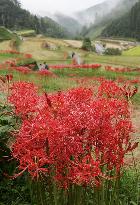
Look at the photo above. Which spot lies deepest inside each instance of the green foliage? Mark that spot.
(104, 18)
(126, 26)
(5, 34)
(7, 124)
(26, 62)
(12, 191)
(15, 191)
(12, 16)
(87, 46)
(113, 51)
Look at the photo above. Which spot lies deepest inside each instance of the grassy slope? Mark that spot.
(132, 52)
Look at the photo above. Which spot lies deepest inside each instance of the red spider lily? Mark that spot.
(31, 66)
(86, 172)
(23, 69)
(129, 91)
(110, 89)
(93, 66)
(121, 70)
(24, 97)
(73, 136)
(28, 55)
(11, 62)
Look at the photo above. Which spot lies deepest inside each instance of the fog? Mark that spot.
(51, 6)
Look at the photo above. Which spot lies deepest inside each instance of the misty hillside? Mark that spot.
(101, 21)
(126, 26)
(71, 24)
(12, 16)
(92, 14)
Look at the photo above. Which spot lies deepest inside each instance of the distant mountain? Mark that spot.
(94, 13)
(125, 26)
(12, 16)
(70, 23)
(111, 12)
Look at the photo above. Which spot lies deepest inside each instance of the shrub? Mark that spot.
(87, 44)
(113, 51)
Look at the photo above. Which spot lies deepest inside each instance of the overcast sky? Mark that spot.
(52, 6)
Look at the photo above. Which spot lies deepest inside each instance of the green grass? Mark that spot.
(7, 56)
(136, 99)
(67, 78)
(95, 73)
(125, 61)
(26, 33)
(132, 52)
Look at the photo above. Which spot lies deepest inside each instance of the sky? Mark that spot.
(52, 6)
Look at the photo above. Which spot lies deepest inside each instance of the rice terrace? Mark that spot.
(70, 102)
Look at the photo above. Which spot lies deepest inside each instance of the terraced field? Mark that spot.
(33, 45)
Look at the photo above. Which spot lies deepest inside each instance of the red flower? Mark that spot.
(24, 97)
(75, 135)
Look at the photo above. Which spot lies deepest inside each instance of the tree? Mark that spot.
(13, 17)
(87, 44)
(125, 26)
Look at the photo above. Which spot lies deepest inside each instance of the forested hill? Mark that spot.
(121, 8)
(12, 16)
(126, 26)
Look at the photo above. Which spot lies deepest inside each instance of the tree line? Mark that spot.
(13, 17)
(126, 26)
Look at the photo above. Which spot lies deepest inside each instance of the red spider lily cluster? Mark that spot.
(111, 89)
(129, 91)
(10, 62)
(121, 70)
(11, 65)
(23, 69)
(93, 66)
(75, 137)
(126, 81)
(27, 55)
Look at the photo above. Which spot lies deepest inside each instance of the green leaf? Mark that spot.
(133, 203)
